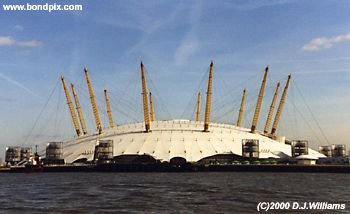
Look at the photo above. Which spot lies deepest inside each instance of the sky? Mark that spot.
(176, 41)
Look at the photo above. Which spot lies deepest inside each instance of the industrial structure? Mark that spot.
(178, 139)
(190, 141)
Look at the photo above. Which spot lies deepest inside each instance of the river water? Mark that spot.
(165, 192)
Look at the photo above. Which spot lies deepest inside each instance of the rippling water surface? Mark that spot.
(165, 192)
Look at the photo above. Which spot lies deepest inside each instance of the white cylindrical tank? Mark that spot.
(104, 150)
(54, 151)
(13, 155)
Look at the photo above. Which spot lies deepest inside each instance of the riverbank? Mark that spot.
(166, 167)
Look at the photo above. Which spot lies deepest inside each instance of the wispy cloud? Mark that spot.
(322, 43)
(30, 44)
(189, 44)
(15, 83)
(248, 5)
(303, 60)
(8, 41)
(146, 18)
(154, 23)
(18, 27)
(330, 71)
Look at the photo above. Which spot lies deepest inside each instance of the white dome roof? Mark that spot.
(175, 138)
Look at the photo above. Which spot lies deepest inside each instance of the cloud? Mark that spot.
(322, 43)
(248, 5)
(190, 44)
(18, 27)
(155, 23)
(188, 47)
(30, 44)
(9, 41)
(15, 83)
(330, 71)
(6, 41)
(145, 18)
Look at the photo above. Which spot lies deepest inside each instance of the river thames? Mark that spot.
(166, 192)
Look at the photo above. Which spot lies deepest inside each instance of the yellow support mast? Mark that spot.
(152, 115)
(259, 102)
(93, 103)
(80, 113)
(208, 101)
(145, 100)
(198, 112)
(241, 110)
(109, 111)
(71, 108)
(272, 108)
(280, 108)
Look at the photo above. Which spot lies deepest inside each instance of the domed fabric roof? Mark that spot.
(176, 138)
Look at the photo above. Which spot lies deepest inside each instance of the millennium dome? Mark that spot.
(190, 141)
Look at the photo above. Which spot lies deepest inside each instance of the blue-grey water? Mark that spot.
(165, 192)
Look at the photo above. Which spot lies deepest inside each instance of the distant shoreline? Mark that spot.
(188, 168)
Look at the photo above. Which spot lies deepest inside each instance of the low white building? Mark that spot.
(309, 159)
